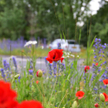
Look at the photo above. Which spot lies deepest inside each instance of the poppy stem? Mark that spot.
(52, 90)
(105, 105)
(39, 90)
(42, 91)
(63, 98)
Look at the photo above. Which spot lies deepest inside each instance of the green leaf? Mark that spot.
(92, 42)
(60, 35)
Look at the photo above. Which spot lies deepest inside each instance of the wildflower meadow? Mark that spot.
(62, 85)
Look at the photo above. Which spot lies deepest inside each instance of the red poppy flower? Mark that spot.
(96, 105)
(30, 104)
(106, 96)
(96, 64)
(80, 94)
(86, 68)
(55, 55)
(7, 96)
(105, 81)
(37, 82)
(10, 104)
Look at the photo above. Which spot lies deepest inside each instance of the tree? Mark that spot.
(41, 18)
(97, 24)
(63, 14)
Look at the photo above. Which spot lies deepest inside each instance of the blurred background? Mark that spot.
(47, 20)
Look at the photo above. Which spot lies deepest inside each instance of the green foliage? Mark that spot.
(60, 89)
(40, 18)
(11, 22)
(97, 24)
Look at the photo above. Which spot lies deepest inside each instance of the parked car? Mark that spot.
(67, 45)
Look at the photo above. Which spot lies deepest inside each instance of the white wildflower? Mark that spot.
(67, 56)
(63, 56)
(72, 55)
(56, 4)
(30, 43)
(78, 56)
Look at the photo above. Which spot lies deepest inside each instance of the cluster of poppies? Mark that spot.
(103, 96)
(8, 98)
(55, 55)
(88, 67)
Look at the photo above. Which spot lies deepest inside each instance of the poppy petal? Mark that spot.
(48, 59)
(62, 59)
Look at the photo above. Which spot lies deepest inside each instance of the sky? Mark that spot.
(94, 6)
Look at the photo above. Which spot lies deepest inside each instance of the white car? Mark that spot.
(67, 45)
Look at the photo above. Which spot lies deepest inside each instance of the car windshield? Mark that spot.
(72, 42)
(58, 41)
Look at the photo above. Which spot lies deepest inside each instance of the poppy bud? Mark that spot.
(39, 73)
(75, 104)
(96, 105)
(102, 97)
(16, 76)
(37, 82)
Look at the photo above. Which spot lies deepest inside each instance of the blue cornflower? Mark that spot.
(99, 52)
(94, 69)
(104, 86)
(14, 61)
(55, 105)
(50, 66)
(95, 89)
(105, 71)
(99, 70)
(95, 56)
(96, 47)
(30, 71)
(55, 64)
(31, 64)
(59, 45)
(102, 55)
(101, 80)
(104, 75)
(54, 76)
(71, 65)
(100, 59)
(46, 62)
(5, 64)
(105, 62)
(99, 40)
(99, 45)
(19, 78)
(96, 39)
(2, 72)
(8, 66)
